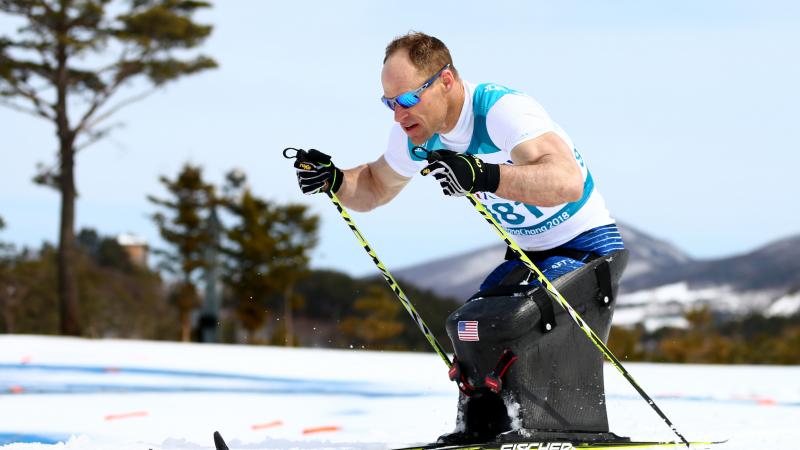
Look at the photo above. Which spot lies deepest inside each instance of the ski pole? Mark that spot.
(393, 285)
(553, 293)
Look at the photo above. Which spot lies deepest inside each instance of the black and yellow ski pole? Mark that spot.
(393, 285)
(553, 293)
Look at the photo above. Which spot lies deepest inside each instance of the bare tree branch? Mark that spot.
(45, 56)
(86, 125)
(100, 99)
(123, 56)
(22, 109)
(97, 135)
(30, 93)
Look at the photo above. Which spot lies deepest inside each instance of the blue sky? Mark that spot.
(685, 111)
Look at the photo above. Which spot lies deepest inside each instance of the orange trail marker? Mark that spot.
(321, 429)
(261, 426)
(126, 415)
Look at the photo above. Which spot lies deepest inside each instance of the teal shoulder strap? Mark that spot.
(486, 95)
(434, 143)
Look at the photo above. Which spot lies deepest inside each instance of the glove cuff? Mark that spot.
(337, 177)
(490, 178)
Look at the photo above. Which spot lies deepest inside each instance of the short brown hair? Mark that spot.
(427, 53)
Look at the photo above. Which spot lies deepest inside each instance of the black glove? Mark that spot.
(316, 173)
(460, 173)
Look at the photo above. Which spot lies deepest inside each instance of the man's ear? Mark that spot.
(448, 80)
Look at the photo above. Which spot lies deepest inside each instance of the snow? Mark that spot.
(785, 306)
(75, 394)
(668, 304)
(126, 239)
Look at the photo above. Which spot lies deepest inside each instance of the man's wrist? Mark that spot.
(490, 178)
(337, 178)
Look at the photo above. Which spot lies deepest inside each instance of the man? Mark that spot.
(501, 146)
(494, 142)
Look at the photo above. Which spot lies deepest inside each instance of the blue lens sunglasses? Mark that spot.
(411, 98)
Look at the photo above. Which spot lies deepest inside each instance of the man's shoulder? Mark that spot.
(490, 96)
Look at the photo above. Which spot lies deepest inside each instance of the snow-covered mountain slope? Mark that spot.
(459, 276)
(660, 283)
(786, 305)
(667, 305)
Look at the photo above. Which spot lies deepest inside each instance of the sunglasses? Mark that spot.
(411, 98)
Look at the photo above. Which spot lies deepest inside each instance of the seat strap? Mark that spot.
(603, 274)
(456, 374)
(494, 381)
(548, 316)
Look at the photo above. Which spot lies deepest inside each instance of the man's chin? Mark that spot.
(418, 139)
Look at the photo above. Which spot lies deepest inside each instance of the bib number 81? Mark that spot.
(505, 213)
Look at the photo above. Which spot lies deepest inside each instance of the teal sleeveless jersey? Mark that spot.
(534, 227)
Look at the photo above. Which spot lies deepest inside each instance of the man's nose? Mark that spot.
(400, 113)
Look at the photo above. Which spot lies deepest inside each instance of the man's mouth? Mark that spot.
(410, 127)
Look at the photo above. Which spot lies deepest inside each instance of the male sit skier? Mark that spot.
(502, 146)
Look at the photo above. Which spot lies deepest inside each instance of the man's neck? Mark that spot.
(455, 103)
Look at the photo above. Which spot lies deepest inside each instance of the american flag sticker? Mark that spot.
(468, 330)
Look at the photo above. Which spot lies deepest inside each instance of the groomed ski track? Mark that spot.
(67, 393)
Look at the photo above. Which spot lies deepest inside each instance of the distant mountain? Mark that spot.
(648, 255)
(661, 282)
(459, 276)
(765, 280)
(774, 266)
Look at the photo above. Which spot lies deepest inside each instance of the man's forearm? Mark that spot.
(539, 184)
(359, 190)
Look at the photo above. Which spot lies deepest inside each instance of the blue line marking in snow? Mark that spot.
(22, 438)
(259, 384)
(110, 370)
(130, 389)
(253, 384)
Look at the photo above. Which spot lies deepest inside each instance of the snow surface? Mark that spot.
(667, 305)
(785, 306)
(69, 393)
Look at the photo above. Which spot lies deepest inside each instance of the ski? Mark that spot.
(220, 444)
(565, 445)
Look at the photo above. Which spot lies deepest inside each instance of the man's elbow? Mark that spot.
(363, 207)
(368, 204)
(573, 192)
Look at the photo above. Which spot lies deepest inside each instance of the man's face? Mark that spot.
(425, 118)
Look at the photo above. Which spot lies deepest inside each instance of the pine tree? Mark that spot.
(376, 319)
(186, 232)
(3, 246)
(295, 235)
(249, 248)
(267, 249)
(67, 62)
(11, 291)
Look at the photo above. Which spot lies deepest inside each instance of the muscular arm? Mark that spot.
(368, 186)
(544, 173)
